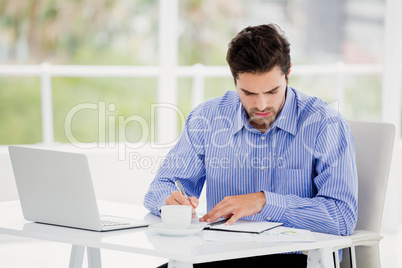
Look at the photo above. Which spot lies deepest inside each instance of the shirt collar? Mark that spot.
(240, 119)
(287, 119)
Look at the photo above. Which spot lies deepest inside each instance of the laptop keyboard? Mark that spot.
(113, 223)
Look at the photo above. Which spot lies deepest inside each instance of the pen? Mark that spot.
(218, 222)
(181, 190)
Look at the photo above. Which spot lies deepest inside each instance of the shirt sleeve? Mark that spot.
(333, 209)
(184, 162)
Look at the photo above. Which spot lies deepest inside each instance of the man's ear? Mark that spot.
(290, 68)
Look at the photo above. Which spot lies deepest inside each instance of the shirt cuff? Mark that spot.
(275, 207)
(160, 205)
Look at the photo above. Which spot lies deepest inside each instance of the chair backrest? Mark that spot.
(374, 144)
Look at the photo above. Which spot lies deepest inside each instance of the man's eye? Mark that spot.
(272, 92)
(247, 93)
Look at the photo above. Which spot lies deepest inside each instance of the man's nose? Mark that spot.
(261, 103)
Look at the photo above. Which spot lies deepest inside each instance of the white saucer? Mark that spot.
(161, 229)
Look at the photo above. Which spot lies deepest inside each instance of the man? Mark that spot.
(266, 152)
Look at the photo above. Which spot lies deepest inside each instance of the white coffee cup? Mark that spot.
(176, 216)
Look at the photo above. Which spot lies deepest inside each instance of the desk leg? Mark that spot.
(94, 258)
(320, 258)
(77, 256)
(179, 264)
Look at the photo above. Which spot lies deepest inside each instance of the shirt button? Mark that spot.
(269, 218)
(262, 167)
(262, 138)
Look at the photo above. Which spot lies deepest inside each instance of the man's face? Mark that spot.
(263, 96)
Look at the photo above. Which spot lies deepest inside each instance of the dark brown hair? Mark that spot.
(258, 49)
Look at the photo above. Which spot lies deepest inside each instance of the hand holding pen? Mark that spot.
(180, 198)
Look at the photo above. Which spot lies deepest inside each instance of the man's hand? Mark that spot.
(177, 198)
(235, 207)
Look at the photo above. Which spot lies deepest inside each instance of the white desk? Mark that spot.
(181, 251)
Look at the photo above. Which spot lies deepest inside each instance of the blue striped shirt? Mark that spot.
(304, 163)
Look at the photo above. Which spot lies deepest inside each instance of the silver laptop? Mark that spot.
(56, 188)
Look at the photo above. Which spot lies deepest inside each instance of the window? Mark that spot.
(107, 53)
